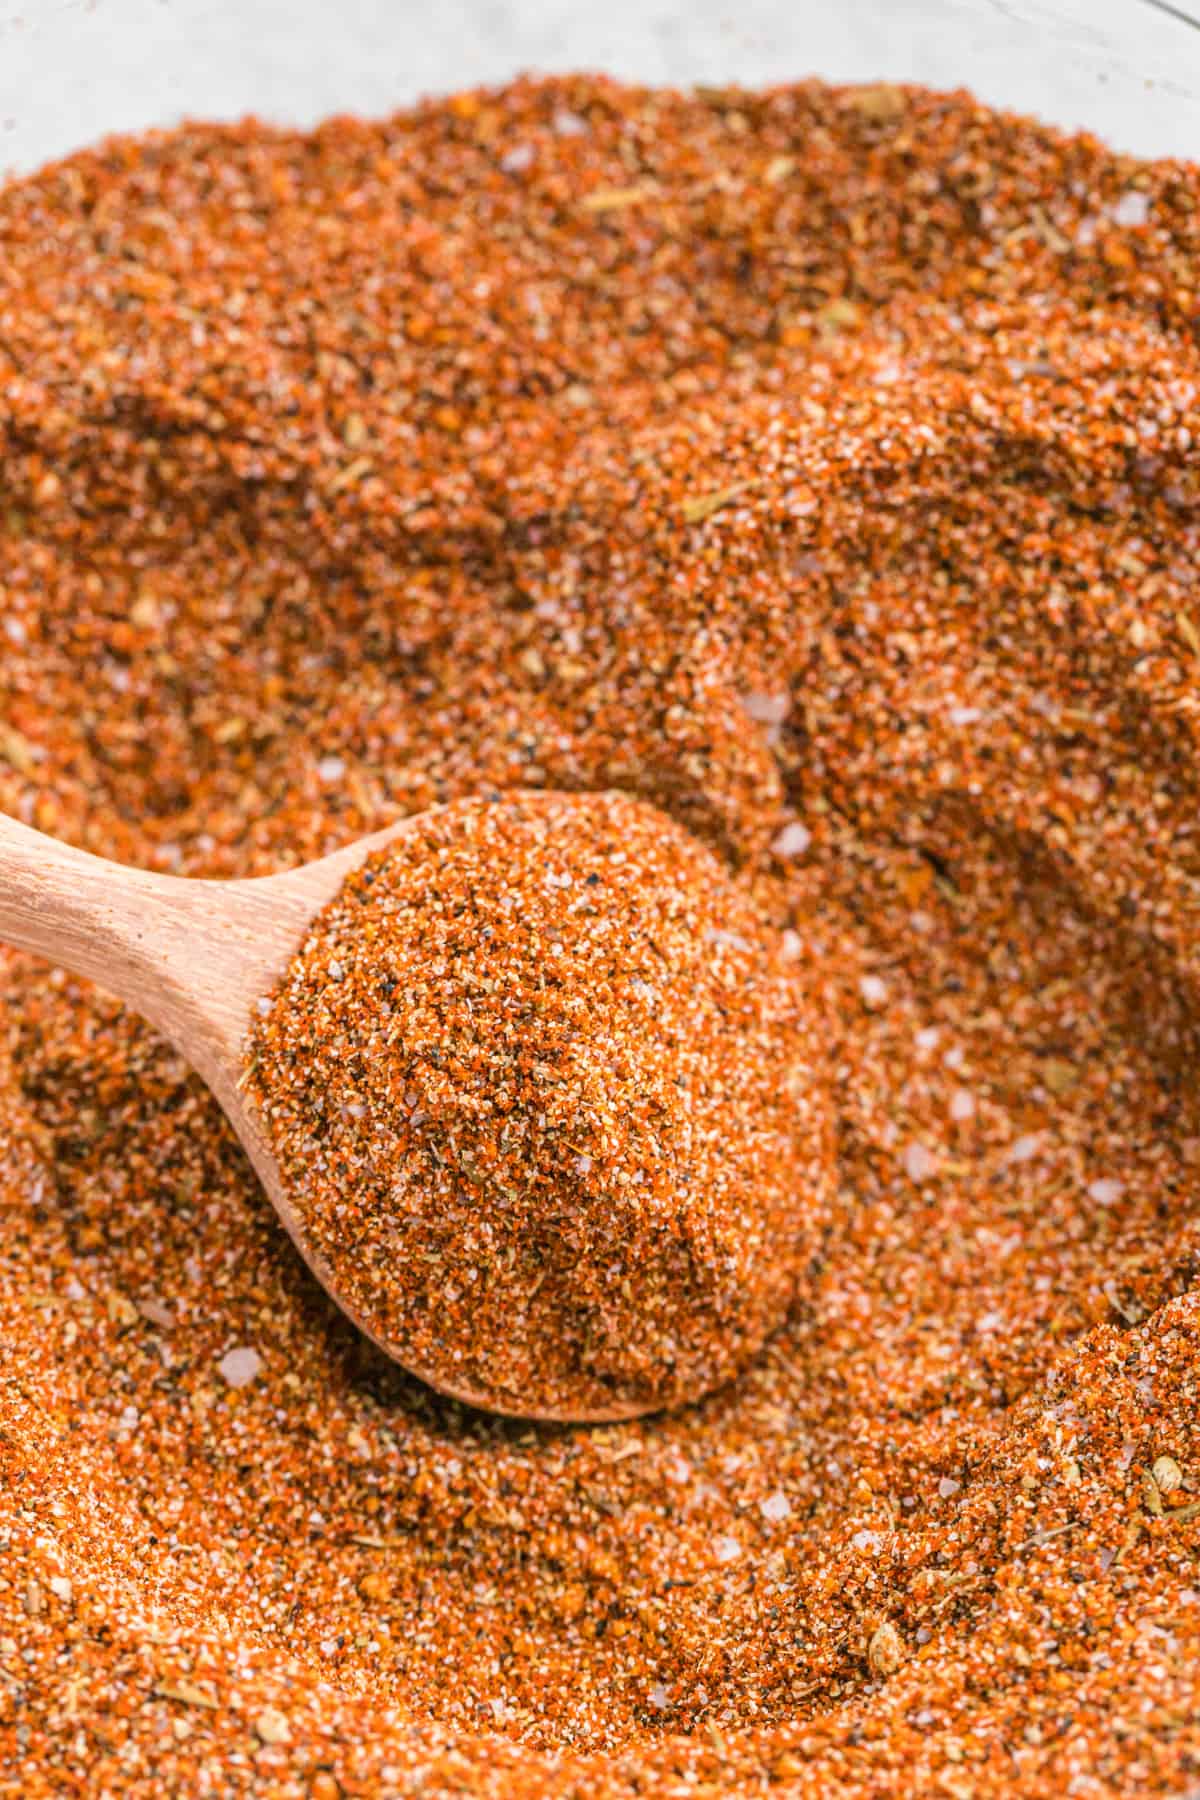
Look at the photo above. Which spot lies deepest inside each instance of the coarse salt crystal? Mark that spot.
(1107, 1191)
(776, 1506)
(518, 158)
(240, 1366)
(1133, 208)
(1025, 1149)
(60, 1587)
(791, 944)
(727, 1549)
(793, 840)
(927, 1039)
(962, 1105)
(768, 709)
(873, 990)
(331, 768)
(947, 1486)
(919, 1162)
(658, 1695)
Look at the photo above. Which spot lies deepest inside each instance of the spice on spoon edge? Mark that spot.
(548, 1099)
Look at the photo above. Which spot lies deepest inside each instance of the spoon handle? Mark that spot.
(188, 955)
(192, 956)
(75, 909)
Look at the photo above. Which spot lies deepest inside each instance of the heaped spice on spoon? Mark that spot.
(549, 1101)
(821, 466)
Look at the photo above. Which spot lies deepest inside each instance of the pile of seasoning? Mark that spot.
(820, 466)
(549, 1103)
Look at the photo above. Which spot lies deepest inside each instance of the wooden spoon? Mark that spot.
(193, 957)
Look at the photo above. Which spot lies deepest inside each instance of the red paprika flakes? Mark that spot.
(817, 466)
(550, 1105)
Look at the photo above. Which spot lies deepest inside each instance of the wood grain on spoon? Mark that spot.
(194, 958)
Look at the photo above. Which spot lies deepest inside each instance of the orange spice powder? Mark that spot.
(818, 466)
(549, 1101)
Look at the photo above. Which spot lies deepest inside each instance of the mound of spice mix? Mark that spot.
(549, 1103)
(819, 466)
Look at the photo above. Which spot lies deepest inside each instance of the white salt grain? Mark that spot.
(1107, 1191)
(793, 840)
(768, 709)
(518, 158)
(867, 1540)
(919, 1162)
(240, 1366)
(1133, 208)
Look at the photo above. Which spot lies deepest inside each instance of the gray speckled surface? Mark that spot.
(72, 70)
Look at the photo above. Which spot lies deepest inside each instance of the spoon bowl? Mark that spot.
(195, 957)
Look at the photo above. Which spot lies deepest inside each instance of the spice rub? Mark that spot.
(822, 466)
(549, 1102)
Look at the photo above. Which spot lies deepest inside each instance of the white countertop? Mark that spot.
(73, 70)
